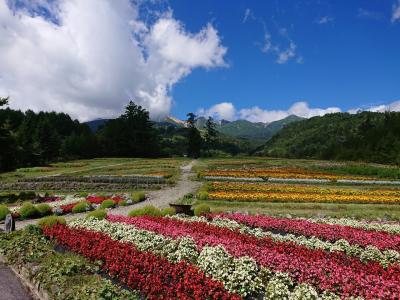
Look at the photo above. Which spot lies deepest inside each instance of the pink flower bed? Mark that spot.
(327, 271)
(380, 239)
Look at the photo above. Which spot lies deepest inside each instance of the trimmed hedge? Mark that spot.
(28, 210)
(148, 210)
(81, 207)
(98, 214)
(201, 209)
(50, 221)
(108, 203)
(168, 211)
(4, 211)
(43, 209)
(138, 197)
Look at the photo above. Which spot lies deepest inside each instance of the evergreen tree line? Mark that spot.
(31, 139)
(365, 136)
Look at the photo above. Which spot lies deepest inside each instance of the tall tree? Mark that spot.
(8, 145)
(211, 133)
(130, 135)
(193, 135)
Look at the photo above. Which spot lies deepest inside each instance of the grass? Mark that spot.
(358, 211)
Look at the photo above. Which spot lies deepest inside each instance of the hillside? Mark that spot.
(366, 136)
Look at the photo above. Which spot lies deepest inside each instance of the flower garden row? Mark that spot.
(61, 205)
(253, 192)
(232, 256)
(288, 175)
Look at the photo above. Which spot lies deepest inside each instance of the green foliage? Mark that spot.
(130, 135)
(43, 209)
(108, 204)
(168, 211)
(202, 195)
(122, 203)
(50, 221)
(148, 210)
(366, 136)
(63, 276)
(28, 210)
(201, 209)
(138, 197)
(81, 207)
(4, 211)
(98, 214)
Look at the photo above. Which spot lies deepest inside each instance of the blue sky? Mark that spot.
(350, 53)
(256, 60)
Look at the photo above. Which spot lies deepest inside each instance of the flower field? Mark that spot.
(254, 192)
(237, 256)
(282, 172)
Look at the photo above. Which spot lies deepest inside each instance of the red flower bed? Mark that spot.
(380, 239)
(335, 271)
(68, 207)
(155, 277)
(99, 200)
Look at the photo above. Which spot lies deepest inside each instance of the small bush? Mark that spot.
(202, 196)
(138, 197)
(81, 207)
(122, 203)
(43, 209)
(201, 209)
(107, 203)
(28, 210)
(4, 211)
(50, 221)
(168, 211)
(98, 214)
(147, 210)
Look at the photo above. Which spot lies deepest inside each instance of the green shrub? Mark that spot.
(138, 197)
(148, 210)
(43, 209)
(4, 211)
(28, 210)
(107, 203)
(122, 203)
(81, 207)
(50, 221)
(201, 209)
(168, 211)
(202, 196)
(98, 214)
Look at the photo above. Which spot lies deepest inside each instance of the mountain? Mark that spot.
(239, 128)
(95, 124)
(366, 136)
(260, 131)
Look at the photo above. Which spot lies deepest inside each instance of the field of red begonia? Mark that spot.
(237, 256)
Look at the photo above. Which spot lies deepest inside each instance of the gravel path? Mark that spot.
(10, 286)
(158, 198)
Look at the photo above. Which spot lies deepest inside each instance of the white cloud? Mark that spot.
(256, 114)
(396, 12)
(247, 15)
(286, 54)
(223, 110)
(324, 20)
(394, 106)
(368, 14)
(97, 56)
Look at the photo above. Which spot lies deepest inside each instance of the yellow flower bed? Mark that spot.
(286, 173)
(285, 188)
(250, 196)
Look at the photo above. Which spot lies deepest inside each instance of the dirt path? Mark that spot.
(158, 198)
(10, 286)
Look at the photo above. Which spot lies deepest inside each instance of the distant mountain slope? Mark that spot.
(366, 136)
(95, 124)
(249, 130)
(239, 128)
